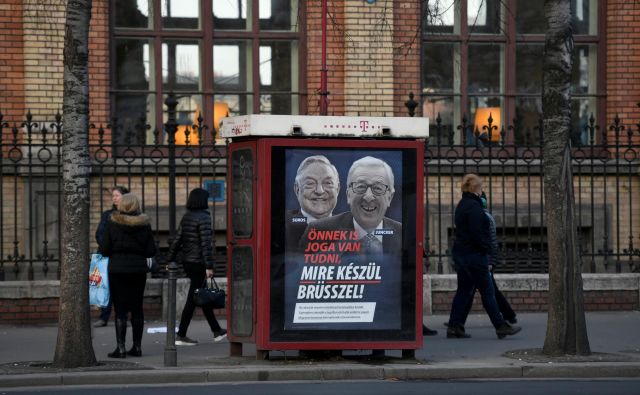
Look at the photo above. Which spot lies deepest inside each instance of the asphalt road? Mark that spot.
(488, 387)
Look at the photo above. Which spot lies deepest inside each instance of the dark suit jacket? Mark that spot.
(294, 225)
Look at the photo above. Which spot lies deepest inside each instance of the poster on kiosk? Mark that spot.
(343, 224)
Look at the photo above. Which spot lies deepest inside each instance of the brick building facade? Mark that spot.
(375, 56)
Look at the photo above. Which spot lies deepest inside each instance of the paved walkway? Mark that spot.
(614, 339)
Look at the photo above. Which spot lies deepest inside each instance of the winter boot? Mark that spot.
(121, 334)
(137, 328)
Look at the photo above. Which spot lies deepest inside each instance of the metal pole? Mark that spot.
(171, 127)
(170, 353)
(324, 101)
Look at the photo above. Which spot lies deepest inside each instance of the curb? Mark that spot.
(321, 373)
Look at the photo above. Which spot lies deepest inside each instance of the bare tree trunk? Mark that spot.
(74, 347)
(566, 327)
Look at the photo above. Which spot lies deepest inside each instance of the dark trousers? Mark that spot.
(503, 305)
(197, 275)
(105, 312)
(127, 292)
(473, 273)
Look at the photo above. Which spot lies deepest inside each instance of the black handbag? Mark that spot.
(210, 296)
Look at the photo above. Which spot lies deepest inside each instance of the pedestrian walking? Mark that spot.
(116, 195)
(194, 247)
(503, 304)
(128, 242)
(470, 255)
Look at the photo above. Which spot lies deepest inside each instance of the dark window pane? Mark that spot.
(134, 64)
(181, 14)
(581, 110)
(485, 68)
(583, 75)
(232, 65)
(528, 112)
(132, 13)
(484, 16)
(279, 103)
(133, 112)
(441, 16)
(278, 65)
(530, 17)
(180, 65)
(529, 68)
(231, 15)
(584, 15)
(440, 65)
(278, 14)
(443, 106)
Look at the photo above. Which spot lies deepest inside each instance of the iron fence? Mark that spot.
(606, 178)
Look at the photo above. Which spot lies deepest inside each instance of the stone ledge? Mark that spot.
(51, 288)
(540, 282)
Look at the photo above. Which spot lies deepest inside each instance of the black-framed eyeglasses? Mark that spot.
(377, 189)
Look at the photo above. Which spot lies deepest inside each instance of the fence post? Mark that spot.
(170, 353)
(171, 127)
(411, 105)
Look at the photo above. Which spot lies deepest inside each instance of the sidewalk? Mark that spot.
(613, 337)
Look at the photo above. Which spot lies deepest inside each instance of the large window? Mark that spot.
(220, 58)
(485, 56)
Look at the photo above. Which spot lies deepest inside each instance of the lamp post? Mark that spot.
(170, 353)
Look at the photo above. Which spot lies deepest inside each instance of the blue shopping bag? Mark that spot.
(98, 280)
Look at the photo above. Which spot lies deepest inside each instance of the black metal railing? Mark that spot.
(606, 178)
(31, 171)
(607, 186)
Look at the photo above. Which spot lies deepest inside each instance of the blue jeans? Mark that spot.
(473, 273)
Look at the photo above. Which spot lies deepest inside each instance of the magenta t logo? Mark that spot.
(364, 125)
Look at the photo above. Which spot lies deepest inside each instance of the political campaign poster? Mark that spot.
(343, 239)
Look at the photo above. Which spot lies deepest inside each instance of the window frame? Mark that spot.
(509, 38)
(207, 36)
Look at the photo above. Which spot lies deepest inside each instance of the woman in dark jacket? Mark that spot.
(128, 242)
(470, 256)
(194, 244)
(116, 195)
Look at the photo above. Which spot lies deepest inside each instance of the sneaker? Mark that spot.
(185, 341)
(507, 330)
(219, 336)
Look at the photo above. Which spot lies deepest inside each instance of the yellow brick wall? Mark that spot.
(369, 58)
(43, 45)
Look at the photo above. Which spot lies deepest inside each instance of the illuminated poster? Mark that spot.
(343, 239)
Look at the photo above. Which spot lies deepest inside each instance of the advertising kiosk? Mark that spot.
(324, 232)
